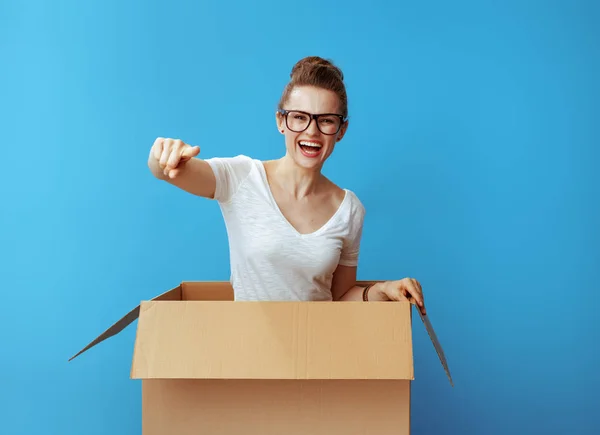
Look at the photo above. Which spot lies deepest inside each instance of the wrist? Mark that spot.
(155, 169)
(375, 292)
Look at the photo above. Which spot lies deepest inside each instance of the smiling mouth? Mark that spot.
(310, 149)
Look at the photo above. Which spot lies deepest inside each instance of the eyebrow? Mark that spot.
(311, 113)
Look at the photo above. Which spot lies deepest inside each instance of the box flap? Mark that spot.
(119, 325)
(436, 344)
(273, 340)
(206, 291)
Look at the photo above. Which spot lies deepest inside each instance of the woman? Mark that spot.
(293, 234)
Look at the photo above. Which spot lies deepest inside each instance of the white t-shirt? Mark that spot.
(269, 259)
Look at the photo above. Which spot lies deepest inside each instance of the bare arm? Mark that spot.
(176, 163)
(344, 288)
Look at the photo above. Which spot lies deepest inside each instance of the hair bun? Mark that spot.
(315, 65)
(320, 73)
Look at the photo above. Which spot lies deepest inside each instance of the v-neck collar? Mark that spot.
(265, 178)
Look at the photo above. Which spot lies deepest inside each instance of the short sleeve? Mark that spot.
(229, 172)
(351, 245)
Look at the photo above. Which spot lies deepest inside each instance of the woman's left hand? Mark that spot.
(406, 288)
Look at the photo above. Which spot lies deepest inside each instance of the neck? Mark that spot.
(296, 180)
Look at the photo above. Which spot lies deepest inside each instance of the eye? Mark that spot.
(328, 120)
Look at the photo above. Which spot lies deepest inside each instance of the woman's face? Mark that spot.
(311, 147)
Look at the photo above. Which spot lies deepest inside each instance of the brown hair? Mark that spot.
(318, 72)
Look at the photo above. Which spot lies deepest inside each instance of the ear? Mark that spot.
(342, 131)
(280, 122)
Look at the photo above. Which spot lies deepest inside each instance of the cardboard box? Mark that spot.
(212, 366)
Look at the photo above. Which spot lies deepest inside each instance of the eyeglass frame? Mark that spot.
(311, 116)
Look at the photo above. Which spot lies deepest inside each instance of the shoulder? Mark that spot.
(351, 209)
(239, 165)
(340, 196)
(239, 160)
(353, 220)
(356, 207)
(347, 198)
(231, 173)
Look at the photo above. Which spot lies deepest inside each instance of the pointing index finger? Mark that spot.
(190, 152)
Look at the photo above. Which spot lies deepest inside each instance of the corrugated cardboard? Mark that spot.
(214, 366)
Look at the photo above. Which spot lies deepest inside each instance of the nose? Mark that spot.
(313, 128)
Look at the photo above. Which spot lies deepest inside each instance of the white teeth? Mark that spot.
(310, 144)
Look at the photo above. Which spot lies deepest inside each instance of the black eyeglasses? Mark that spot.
(298, 121)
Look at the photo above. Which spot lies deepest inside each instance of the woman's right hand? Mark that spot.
(169, 156)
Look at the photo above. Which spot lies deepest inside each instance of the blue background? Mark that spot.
(473, 143)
